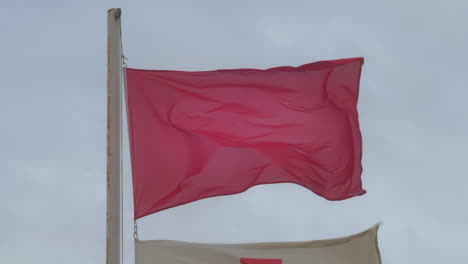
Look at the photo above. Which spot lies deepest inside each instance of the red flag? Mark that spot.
(201, 134)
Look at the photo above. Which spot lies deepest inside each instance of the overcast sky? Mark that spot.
(413, 113)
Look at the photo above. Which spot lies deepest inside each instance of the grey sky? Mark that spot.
(413, 115)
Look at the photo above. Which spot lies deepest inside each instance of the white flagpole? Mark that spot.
(114, 74)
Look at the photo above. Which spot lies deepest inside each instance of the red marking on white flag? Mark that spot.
(260, 261)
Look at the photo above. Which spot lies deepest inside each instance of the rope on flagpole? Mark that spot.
(123, 86)
(121, 183)
(125, 97)
(124, 68)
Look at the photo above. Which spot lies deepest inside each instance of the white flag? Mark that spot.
(360, 248)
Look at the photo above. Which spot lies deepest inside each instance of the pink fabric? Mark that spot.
(201, 134)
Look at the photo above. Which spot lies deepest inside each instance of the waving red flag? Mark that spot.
(201, 134)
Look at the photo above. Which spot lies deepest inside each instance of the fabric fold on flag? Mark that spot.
(355, 249)
(201, 134)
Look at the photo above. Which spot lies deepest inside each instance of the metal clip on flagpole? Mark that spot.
(124, 63)
(135, 230)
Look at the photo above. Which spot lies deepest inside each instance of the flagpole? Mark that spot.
(114, 74)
